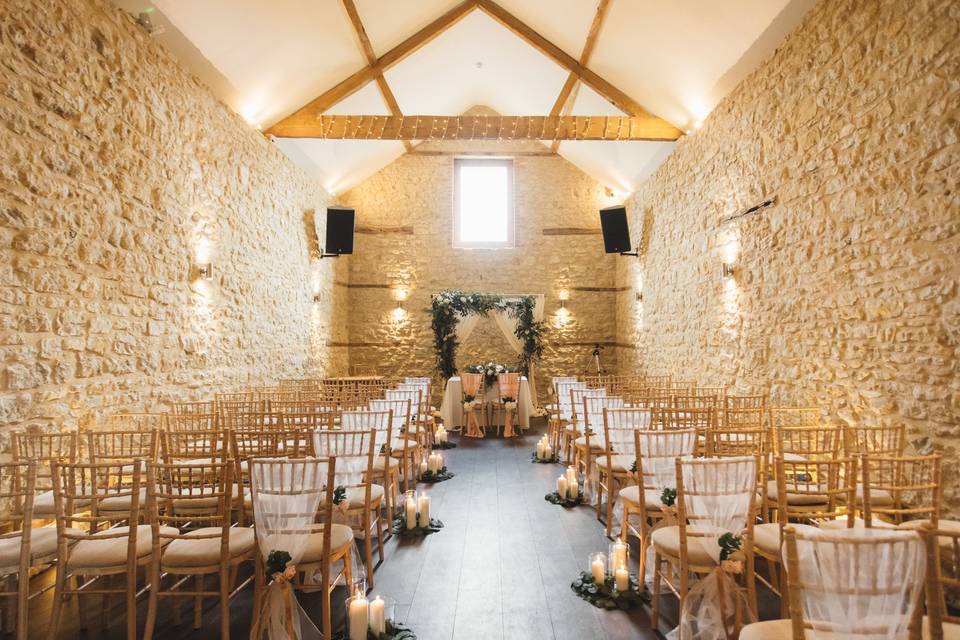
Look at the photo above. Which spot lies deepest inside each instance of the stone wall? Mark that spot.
(845, 292)
(118, 171)
(405, 218)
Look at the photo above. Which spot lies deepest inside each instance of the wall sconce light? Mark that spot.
(316, 297)
(727, 269)
(639, 295)
(563, 295)
(203, 270)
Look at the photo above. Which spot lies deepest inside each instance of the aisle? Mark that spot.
(502, 566)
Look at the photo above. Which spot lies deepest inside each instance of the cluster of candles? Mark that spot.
(415, 505)
(567, 485)
(544, 450)
(440, 435)
(433, 464)
(618, 566)
(366, 614)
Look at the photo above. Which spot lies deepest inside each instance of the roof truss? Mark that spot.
(309, 122)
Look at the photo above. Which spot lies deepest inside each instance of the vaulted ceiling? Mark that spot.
(676, 58)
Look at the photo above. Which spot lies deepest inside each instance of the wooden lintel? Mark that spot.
(571, 231)
(362, 285)
(600, 289)
(481, 127)
(358, 80)
(403, 231)
(360, 344)
(496, 154)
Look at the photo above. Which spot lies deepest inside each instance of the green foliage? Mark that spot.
(448, 306)
(668, 496)
(339, 494)
(551, 460)
(440, 476)
(729, 544)
(393, 631)
(606, 596)
(400, 527)
(277, 561)
(554, 498)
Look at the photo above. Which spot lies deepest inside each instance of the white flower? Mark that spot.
(462, 299)
(510, 406)
(499, 368)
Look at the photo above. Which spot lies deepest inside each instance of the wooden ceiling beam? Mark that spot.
(358, 80)
(371, 56)
(616, 97)
(567, 97)
(366, 127)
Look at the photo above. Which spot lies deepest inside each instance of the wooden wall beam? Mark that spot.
(358, 127)
(358, 80)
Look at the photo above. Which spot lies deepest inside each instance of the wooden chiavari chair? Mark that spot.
(308, 420)
(744, 418)
(804, 493)
(313, 480)
(112, 544)
(185, 422)
(943, 578)
(593, 443)
(615, 467)
(197, 408)
(415, 424)
(399, 448)
(758, 401)
(250, 421)
(736, 442)
(899, 490)
(125, 448)
(44, 448)
(699, 483)
(355, 452)
(194, 447)
(850, 584)
(577, 427)
(566, 431)
(696, 401)
(189, 511)
(702, 419)
(385, 467)
(22, 547)
(248, 444)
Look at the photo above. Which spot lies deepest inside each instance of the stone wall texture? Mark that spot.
(845, 293)
(416, 192)
(118, 171)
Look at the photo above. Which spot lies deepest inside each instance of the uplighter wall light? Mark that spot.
(204, 271)
(727, 269)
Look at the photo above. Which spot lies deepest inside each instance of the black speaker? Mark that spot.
(339, 238)
(616, 234)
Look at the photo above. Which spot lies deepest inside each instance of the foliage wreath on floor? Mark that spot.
(606, 596)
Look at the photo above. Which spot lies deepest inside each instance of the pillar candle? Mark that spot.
(439, 462)
(423, 467)
(596, 568)
(562, 487)
(424, 504)
(359, 610)
(540, 450)
(378, 623)
(573, 488)
(622, 578)
(571, 475)
(411, 512)
(619, 554)
(547, 452)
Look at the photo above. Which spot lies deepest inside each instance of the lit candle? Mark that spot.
(423, 467)
(359, 610)
(571, 475)
(378, 623)
(596, 567)
(424, 508)
(411, 511)
(562, 487)
(547, 452)
(573, 489)
(619, 554)
(540, 450)
(439, 462)
(622, 578)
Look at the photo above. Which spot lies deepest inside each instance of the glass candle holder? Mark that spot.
(618, 554)
(382, 610)
(597, 565)
(358, 616)
(410, 509)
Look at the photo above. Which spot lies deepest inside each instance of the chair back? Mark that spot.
(81, 494)
(715, 496)
(381, 422)
(354, 451)
(813, 491)
(657, 452)
(620, 425)
(122, 447)
(399, 412)
(210, 446)
(413, 395)
(564, 399)
(745, 402)
(17, 489)
(943, 577)
(133, 422)
(250, 421)
(186, 422)
(230, 407)
(745, 418)
(44, 448)
(882, 441)
(593, 408)
(508, 385)
(900, 488)
(807, 442)
(736, 442)
(188, 497)
(201, 408)
(471, 383)
(697, 401)
(577, 395)
(855, 583)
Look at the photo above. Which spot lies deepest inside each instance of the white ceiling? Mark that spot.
(677, 58)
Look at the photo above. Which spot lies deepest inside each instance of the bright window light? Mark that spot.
(483, 204)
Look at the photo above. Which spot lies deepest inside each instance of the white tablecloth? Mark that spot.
(451, 411)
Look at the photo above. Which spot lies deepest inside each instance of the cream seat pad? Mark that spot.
(112, 552)
(204, 552)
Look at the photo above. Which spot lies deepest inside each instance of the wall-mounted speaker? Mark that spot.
(616, 233)
(339, 235)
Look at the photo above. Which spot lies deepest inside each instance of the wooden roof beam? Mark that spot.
(366, 127)
(358, 80)
(368, 53)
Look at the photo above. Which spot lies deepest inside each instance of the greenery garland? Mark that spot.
(606, 596)
(399, 527)
(393, 631)
(432, 478)
(565, 502)
(447, 307)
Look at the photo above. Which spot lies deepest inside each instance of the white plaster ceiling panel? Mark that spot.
(565, 23)
(443, 78)
(622, 166)
(340, 164)
(278, 54)
(668, 56)
(390, 22)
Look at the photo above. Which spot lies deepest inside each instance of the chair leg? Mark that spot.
(258, 584)
(225, 583)
(198, 603)
(655, 604)
(380, 538)
(58, 596)
(348, 568)
(610, 501)
(368, 551)
(131, 602)
(152, 600)
(23, 605)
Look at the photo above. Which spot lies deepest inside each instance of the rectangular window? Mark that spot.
(483, 203)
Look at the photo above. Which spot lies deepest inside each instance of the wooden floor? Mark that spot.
(501, 567)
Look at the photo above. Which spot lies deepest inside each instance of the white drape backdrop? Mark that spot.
(508, 326)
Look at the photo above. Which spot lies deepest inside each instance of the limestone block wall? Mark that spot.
(404, 240)
(845, 292)
(118, 172)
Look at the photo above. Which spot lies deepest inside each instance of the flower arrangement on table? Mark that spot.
(490, 371)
